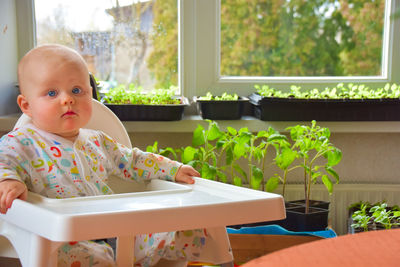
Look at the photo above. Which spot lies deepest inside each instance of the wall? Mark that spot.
(8, 54)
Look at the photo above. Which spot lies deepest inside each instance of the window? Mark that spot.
(204, 64)
(282, 42)
(301, 38)
(123, 42)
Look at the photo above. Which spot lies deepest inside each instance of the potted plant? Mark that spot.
(133, 104)
(310, 150)
(366, 217)
(216, 155)
(340, 103)
(224, 107)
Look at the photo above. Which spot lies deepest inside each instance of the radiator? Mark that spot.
(343, 196)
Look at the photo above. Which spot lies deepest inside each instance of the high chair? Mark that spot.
(37, 227)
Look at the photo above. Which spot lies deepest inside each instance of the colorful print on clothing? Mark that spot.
(58, 168)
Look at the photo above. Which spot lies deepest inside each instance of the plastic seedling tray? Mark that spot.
(221, 109)
(291, 109)
(129, 112)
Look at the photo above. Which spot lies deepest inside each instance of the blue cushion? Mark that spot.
(278, 230)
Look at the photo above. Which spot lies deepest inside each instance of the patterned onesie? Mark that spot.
(58, 168)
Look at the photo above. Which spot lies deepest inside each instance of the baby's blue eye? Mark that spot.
(76, 90)
(52, 93)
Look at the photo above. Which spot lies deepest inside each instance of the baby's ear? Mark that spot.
(23, 104)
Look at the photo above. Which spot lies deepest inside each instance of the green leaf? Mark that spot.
(231, 130)
(214, 158)
(334, 156)
(228, 156)
(237, 181)
(396, 213)
(257, 173)
(255, 184)
(214, 132)
(222, 177)
(276, 137)
(258, 153)
(243, 130)
(153, 148)
(244, 137)
(332, 172)
(195, 163)
(188, 154)
(220, 143)
(240, 170)
(328, 183)
(167, 151)
(285, 158)
(208, 171)
(198, 136)
(262, 134)
(272, 184)
(239, 150)
(256, 178)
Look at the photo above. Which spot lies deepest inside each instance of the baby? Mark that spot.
(57, 158)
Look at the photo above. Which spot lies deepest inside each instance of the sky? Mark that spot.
(81, 15)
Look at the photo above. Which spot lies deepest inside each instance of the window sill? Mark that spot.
(189, 123)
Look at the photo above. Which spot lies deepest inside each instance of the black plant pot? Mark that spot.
(221, 109)
(315, 220)
(293, 109)
(312, 203)
(296, 218)
(129, 112)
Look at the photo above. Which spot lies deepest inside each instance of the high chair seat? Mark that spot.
(37, 227)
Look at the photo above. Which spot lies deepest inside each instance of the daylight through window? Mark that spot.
(123, 42)
(301, 38)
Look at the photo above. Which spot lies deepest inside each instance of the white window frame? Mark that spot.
(199, 44)
(200, 33)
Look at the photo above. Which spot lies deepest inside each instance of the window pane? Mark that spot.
(301, 38)
(122, 42)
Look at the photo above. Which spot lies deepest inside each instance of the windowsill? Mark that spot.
(189, 123)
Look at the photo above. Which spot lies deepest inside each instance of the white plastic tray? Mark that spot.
(165, 207)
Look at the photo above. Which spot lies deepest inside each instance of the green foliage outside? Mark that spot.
(282, 38)
(301, 38)
(163, 61)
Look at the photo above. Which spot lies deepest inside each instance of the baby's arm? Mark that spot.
(135, 164)
(9, 190)
(185, 174)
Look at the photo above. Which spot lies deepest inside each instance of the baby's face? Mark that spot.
(58, 95)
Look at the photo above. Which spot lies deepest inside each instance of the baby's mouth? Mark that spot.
(69, 113)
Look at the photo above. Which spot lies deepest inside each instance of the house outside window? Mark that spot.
(123, 42)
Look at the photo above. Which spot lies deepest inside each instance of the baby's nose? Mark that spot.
(67, 99)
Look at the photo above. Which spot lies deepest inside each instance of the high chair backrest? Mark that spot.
(102, 119)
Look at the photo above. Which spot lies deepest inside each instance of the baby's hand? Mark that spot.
(185, 174)
(10, 190)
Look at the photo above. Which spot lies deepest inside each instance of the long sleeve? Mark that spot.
(13, 163)
(58, 168)
(135, 164)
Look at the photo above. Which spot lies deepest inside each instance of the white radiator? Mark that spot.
(343, 196)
